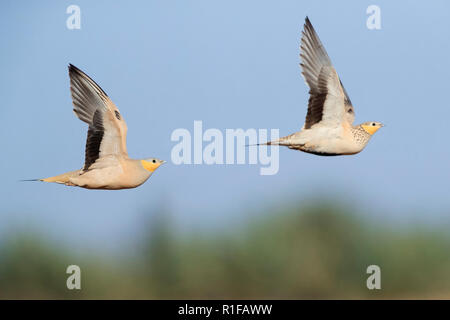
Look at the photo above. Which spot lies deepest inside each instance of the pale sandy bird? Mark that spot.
(106, 165)
(328, 129)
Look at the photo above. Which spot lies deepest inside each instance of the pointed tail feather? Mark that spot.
(284, 141)
(62, 178)
(269, 143)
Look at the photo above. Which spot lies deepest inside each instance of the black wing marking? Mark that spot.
(94, 140)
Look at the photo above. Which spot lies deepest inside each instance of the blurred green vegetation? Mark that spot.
(306, 252)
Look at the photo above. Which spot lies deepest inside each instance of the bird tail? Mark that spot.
(62, 178)
(284, 141)
(269, 143)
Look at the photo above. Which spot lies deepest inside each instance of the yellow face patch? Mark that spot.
(150, 166)
(370, 129)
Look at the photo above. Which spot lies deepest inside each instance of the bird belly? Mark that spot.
(325, 142)
(122, 175)
(104, 178)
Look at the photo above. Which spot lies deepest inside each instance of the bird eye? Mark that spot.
(154, 161)
(373, 124)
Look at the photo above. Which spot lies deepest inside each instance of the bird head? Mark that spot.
(371, 127)
(151, 164)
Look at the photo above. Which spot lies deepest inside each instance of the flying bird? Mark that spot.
(106, 164)
(328, 128)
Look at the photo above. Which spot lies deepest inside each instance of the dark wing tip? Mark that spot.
(308, 22)
(74, 71)
(309, 29)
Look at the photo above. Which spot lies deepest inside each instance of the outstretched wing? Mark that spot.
(107, 131)
(328, 100)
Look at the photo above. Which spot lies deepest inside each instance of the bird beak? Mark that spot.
(163, 161)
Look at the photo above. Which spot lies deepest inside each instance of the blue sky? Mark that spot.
(231, 64)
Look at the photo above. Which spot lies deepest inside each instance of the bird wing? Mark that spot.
(107, 131)
(328, 100)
